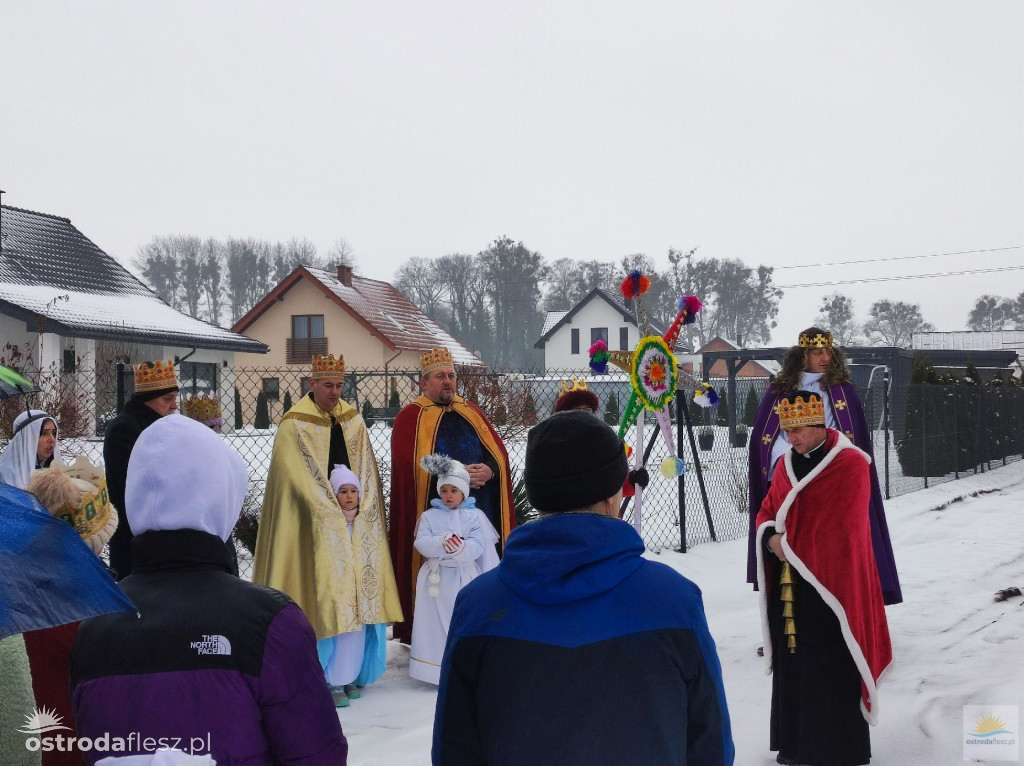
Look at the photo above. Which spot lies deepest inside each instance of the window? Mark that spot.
(272, 388)
(307, 339)
(575, 341)
(624, 338)
(198, 377)
(598, 333)
(70, 362)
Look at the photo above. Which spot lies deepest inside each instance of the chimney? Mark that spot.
(345, 274)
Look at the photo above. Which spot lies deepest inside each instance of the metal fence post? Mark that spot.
(120, 387)
(885, 426)
(682, 417)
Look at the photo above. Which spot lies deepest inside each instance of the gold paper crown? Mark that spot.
(153, 376)
(800, 413)
(577, 385)
(821, 340)
(326, 366)
(203, 407)
(435, 359)
(92, 513)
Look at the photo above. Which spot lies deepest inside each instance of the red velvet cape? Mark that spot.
(826, 535)
(413, 435)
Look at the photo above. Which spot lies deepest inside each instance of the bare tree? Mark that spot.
(892, 323)
(990, 312)
(190, 272)
(417, 279)
(836, 315)
(213, 271)
(341, 253)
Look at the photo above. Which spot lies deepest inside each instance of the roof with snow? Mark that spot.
(555, 319)
(387, 314)
(48, 268)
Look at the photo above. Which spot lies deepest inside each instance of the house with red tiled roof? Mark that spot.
(376, 328)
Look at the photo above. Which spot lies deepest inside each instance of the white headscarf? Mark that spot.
(182, 475)
(19, 457)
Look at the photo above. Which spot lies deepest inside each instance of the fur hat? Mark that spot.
(573, 460)
(576, 396)
(342, 474)
(448, 471)
(77, 494)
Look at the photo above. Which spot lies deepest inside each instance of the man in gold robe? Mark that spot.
(304, 547)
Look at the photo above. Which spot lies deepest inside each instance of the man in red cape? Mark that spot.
(825, 632)
(440, 421)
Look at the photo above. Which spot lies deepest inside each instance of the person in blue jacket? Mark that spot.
(576, 649)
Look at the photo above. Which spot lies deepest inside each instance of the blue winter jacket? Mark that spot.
(576, 650)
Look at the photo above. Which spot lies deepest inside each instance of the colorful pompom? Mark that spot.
(672, 467)
(634, 285)
(691, 304)
(599, 357)
(706, 396)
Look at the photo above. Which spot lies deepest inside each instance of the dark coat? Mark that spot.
(220, 665)
(122, 433)
(575, 649)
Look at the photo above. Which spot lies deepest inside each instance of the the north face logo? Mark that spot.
(212, 645)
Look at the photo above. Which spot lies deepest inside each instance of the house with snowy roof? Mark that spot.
(379, 331)
(567, 336)
(70, 312)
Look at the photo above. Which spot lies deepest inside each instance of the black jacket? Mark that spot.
(122, 433)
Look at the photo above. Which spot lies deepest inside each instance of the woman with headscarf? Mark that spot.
(34, 445)
(77, 494)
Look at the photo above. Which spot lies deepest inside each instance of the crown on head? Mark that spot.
(577, 385)
(326, 366)
(435, 359)
(92, 513)
(153, 376)
(801, 413)
(203, 407)
(821, 340)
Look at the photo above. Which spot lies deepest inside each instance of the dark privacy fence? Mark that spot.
(946, 431)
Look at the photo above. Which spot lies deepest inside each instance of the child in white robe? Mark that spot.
(457, 541)
(342, 656)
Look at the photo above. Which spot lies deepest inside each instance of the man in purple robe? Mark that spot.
(816, 365)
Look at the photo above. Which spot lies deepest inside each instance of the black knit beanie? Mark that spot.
(573, 460)
(147, 396)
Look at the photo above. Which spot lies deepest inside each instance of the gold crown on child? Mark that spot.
(92, 513)
(577, 385)
(435, 359)
(800, 413)
(202, 407)
(326, 366)
(153, 376)
(821, 340)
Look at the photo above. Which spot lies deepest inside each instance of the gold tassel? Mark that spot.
(787, 597)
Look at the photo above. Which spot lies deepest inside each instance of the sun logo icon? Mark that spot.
(989, 725)
(42, 721)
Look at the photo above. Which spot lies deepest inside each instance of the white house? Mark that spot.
(69, 312)
(567, 335)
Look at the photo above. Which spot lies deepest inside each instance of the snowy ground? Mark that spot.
(956, 544)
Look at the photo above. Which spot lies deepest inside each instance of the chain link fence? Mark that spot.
(944, 432)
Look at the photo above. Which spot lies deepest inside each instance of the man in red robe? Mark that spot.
(440, 421)
(825, 633)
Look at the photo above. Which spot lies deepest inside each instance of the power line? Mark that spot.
(901, 258)
(898, 279)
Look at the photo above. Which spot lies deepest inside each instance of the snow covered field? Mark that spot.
(956, 544)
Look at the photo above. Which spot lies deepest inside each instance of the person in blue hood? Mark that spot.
(576, 649)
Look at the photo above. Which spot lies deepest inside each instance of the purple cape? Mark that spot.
(849, 418)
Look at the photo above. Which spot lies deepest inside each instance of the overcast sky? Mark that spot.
(784, 133)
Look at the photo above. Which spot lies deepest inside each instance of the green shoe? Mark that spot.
(352, 691)
(339, 696)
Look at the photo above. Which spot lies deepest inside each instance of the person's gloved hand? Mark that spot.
(638, 477)
(453, 544)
